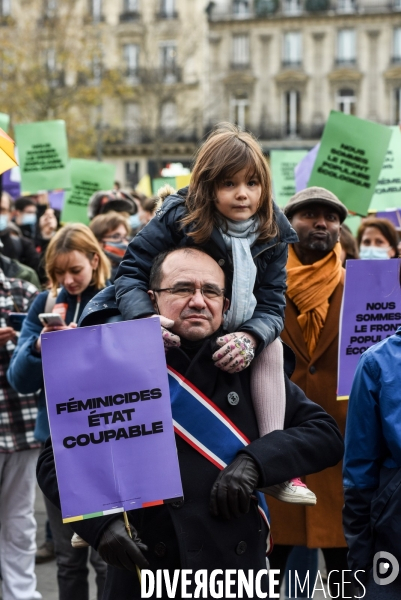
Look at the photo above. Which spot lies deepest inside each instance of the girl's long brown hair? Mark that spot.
(226, 151)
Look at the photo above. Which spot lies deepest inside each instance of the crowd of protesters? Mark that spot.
(47, 266)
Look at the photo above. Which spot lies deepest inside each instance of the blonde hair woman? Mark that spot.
(77, 269)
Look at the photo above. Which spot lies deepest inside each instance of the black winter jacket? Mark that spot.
(164, 232)
(185, 535)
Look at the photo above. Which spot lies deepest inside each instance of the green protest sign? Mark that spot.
(162, 181)
(388, 190)
(350, 159)
(4, 121)
(282, 164)
(87, 177)
(43, 156)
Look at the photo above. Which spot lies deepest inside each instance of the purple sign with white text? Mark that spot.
(110, 418)
(370, 312)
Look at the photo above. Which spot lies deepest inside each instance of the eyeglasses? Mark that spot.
(185, 290)
(116, 237)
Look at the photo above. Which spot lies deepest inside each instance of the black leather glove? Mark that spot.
(232, 489)
(119, 550)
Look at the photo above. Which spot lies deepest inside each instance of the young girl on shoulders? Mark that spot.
(229, 212)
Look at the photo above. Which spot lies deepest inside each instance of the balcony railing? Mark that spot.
(240, 66)
(346, 62)
(291, 64)
(167, 14)
(129, 16)
(130, 136)
(292, 8)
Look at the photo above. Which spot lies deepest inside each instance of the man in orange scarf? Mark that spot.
(315, 287)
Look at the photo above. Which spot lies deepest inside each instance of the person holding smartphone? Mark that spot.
(77, 269)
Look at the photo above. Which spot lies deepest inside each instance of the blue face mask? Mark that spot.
(373, 253)
(28, 219)
(135, 221)
(3, 222)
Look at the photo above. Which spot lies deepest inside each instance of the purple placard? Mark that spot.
(10, 185)
(304, 168)
(56, 199)
(392, 214)
(370, 312)
(138, 464)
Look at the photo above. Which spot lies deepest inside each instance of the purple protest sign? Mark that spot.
(110, 418)
(370, 312)
(304, 168)
(11, 184)
(392, 214)
(56, 199)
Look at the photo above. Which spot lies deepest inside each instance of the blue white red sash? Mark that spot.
(206, 428)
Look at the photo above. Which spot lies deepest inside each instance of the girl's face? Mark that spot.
(74, 270)
(238, 198)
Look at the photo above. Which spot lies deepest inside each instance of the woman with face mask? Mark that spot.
(77, 269)
(112, 231)
(377, 239)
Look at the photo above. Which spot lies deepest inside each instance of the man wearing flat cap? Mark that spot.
(315, 287)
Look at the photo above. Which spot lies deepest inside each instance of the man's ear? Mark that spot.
(153, 298)
(226, 305)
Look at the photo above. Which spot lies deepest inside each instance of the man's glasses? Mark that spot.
(185, 290)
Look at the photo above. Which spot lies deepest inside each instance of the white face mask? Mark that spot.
(373, 253)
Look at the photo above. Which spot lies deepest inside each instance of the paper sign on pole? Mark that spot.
(110, 418)
(144, 186)
(87, 177)
(43, 154)
(388, 190)
(370, 312)
(304, 168)
(350, 159)
(7, 152)
(283, 163)
(161, 182)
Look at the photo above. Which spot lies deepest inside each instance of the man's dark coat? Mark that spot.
(185, 535)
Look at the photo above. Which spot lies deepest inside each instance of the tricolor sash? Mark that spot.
(202, 424)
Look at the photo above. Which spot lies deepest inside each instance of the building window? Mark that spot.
(132, 122)
(345, 6)
(131, 59)
(168, 61)
(240, 51)
(239, 111)
(397, 106)
(397, 4)
(96, 9)
(96, 70)
(167, 9)
(292, 100)
(131, 6)
(241, 8)
(346, 101)
(168, 117)
(5, 8)
(292, 7)
(50, 8)
(346, 47)
(50, 59)
(396, 45)
(292, 49)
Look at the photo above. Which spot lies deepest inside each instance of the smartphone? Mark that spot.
(51, 319)
(15, 320)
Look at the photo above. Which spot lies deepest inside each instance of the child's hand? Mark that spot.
(237, 352)
(170, 340)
